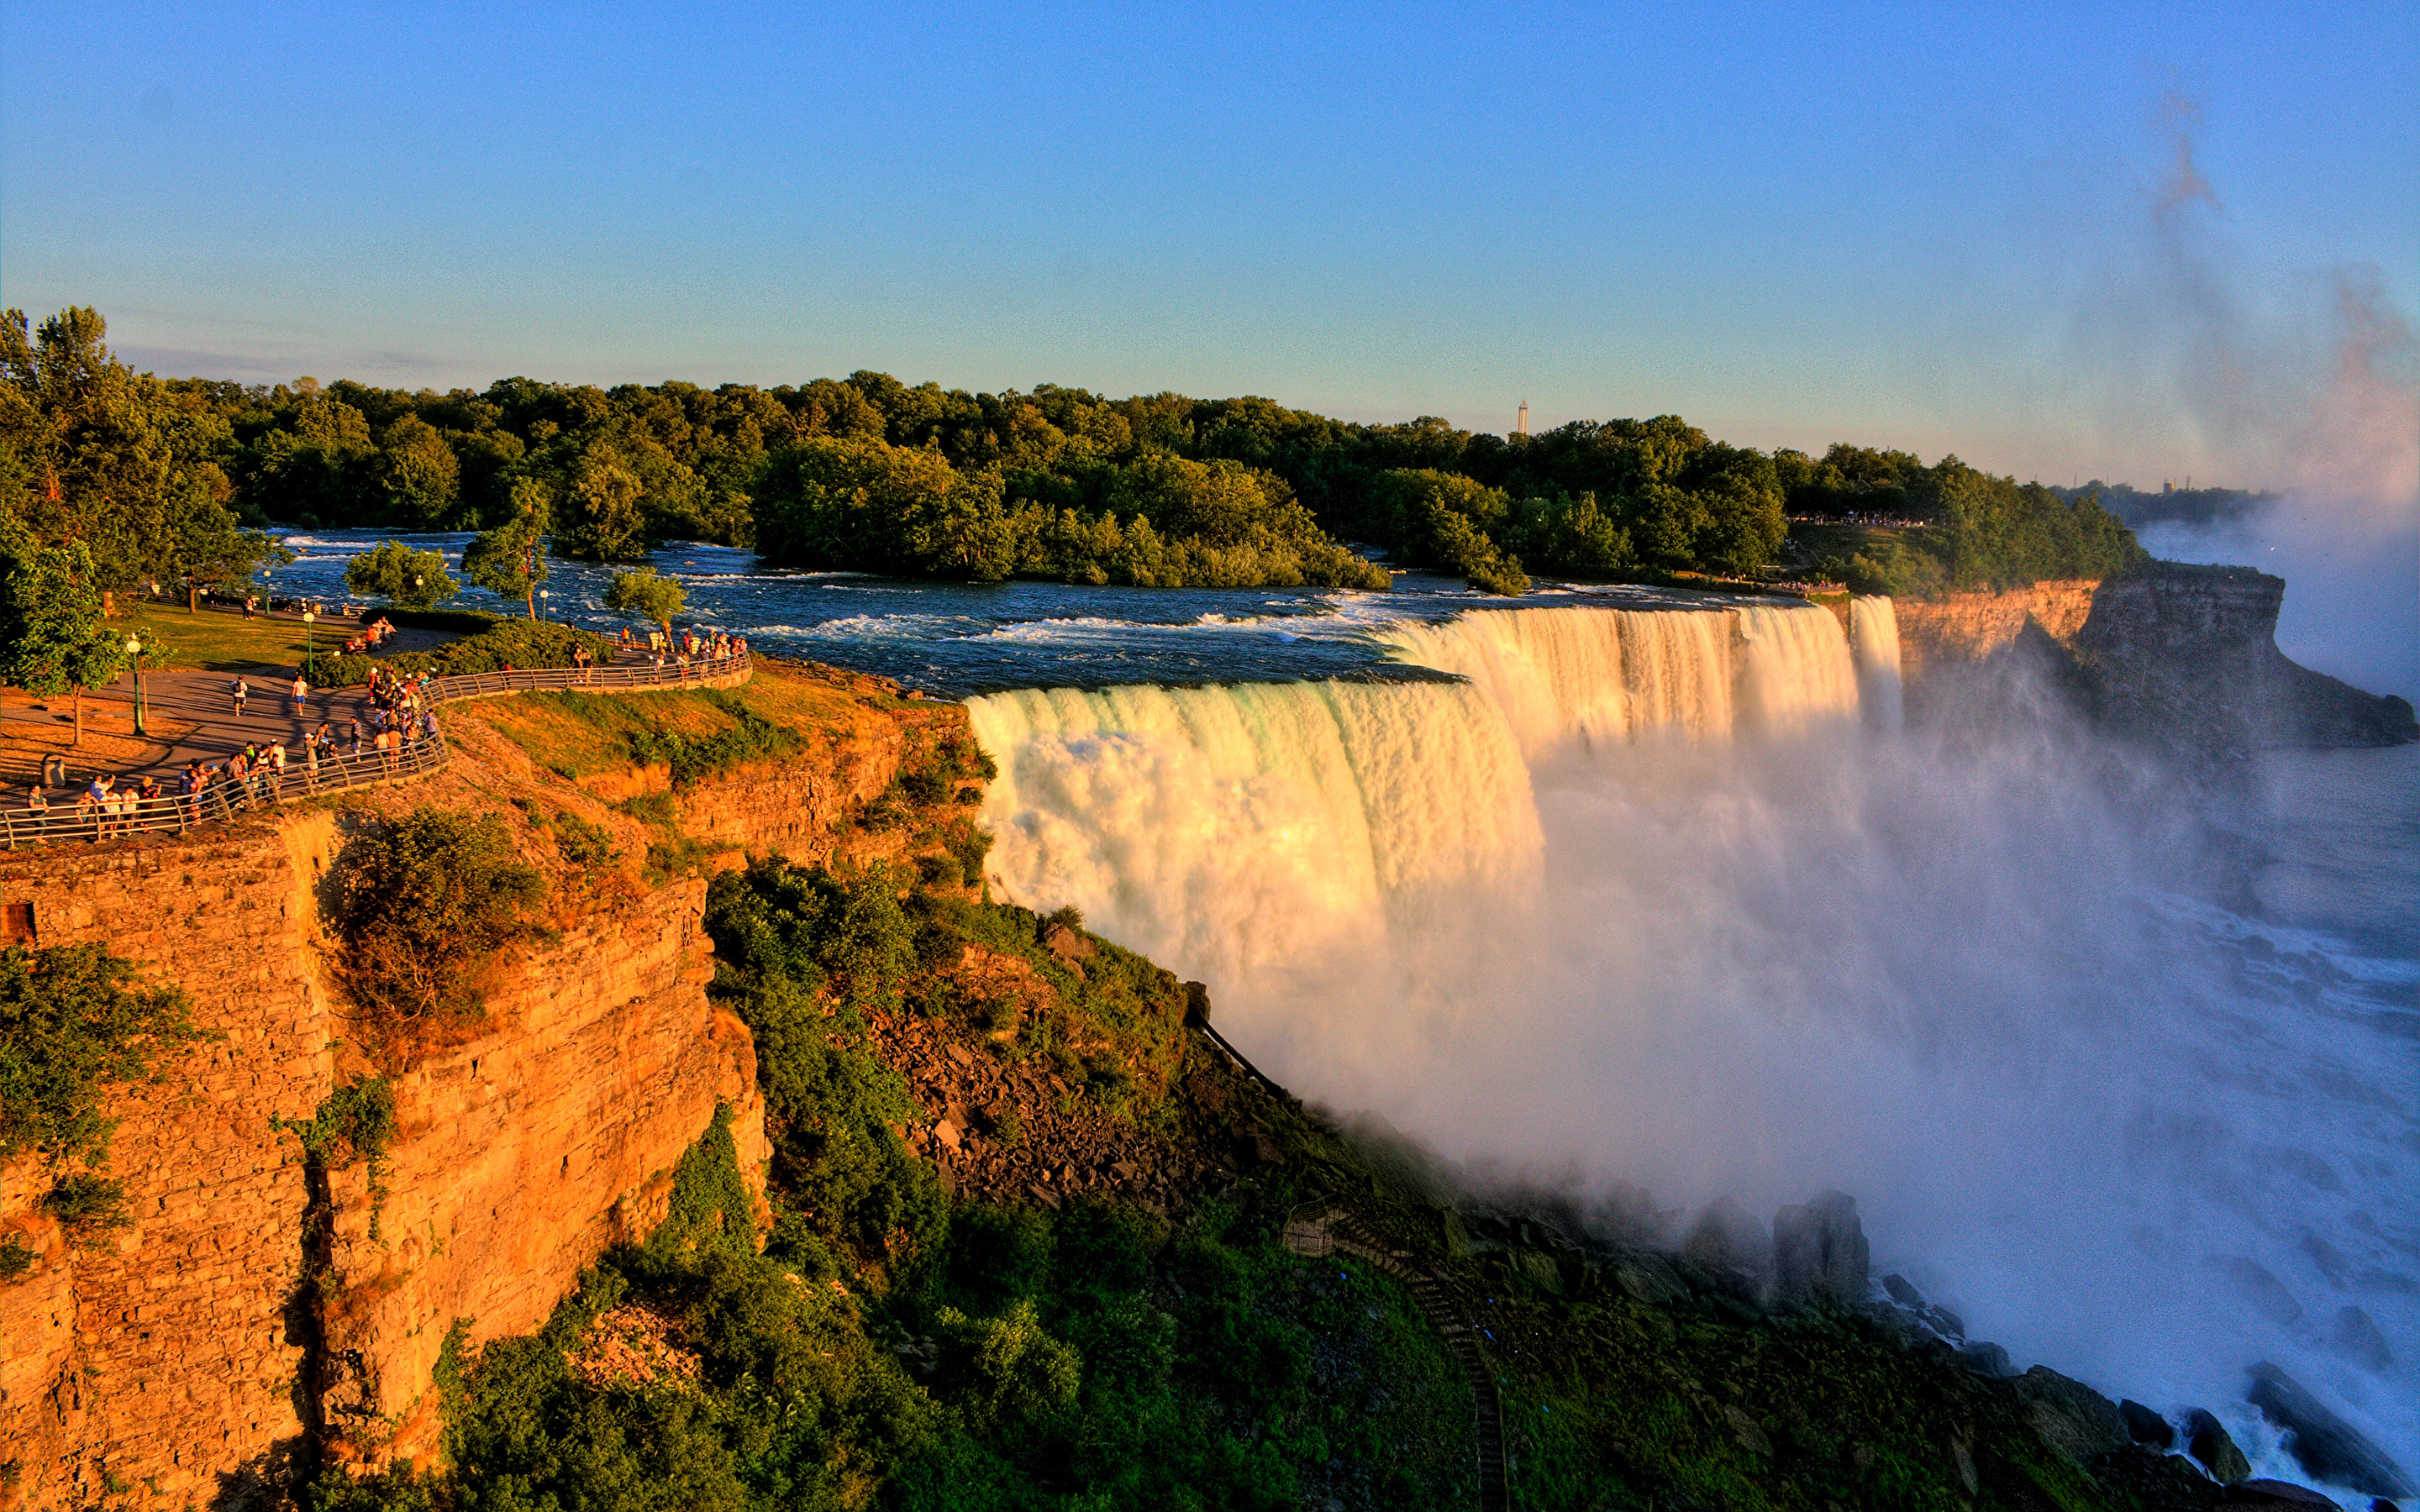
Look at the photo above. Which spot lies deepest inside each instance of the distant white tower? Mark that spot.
(1521, 426)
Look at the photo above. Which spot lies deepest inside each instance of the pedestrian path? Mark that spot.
(211, 725)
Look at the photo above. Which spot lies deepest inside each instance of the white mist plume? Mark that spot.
(2315, 396)
(1715, 953)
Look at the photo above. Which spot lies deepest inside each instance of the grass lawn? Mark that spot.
(581, 734)
(175, 641)
(1843, 541)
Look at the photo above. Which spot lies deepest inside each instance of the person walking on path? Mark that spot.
(240, 690)
(301, 696)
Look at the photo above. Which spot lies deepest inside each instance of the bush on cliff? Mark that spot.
(423, 904)
(75, 1026)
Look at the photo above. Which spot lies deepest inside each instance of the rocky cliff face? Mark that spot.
(259, 1312)
(2185, 655)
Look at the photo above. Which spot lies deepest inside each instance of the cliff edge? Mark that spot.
(2179, 655)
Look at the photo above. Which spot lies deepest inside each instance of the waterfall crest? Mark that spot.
(1604, 677)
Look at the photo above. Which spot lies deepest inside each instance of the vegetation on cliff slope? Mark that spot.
(75, 1026)
(423, 904)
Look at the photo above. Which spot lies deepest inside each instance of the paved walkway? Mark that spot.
(192, 715)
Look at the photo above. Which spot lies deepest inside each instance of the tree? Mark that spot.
(601, 520)
(418, 472)
(94, 452)
(647, 595)
(510, 561)
(400, 574)
(53, 638)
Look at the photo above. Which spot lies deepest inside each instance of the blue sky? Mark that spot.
(1915, 226)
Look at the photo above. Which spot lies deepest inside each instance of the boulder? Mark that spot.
(2278, 1493)
(1819, 1255)
(2213, 1448)
(2154, 1482)
(2326, 1445)
(2147, 1427)
(1986, 1359)
(1647, 1279)
(1902, 1290)
(1730, 1246)
(2070, 1415)
(2357, 1338)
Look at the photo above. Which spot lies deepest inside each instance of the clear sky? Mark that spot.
(1932, 227)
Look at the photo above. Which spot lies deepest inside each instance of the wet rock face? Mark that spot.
(1730, 1246)
(2072, 1414)
(1820, 1254)
(2213, 1448)
(2147, 1427)
(2357, 1338)
(2326, 1445)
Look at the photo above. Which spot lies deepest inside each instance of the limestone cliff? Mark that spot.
(2181, 655)
(259, 1313)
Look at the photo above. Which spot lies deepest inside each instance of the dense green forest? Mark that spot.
(865, 472)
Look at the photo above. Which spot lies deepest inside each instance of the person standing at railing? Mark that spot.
(189, 791)
(37, 807)
(276, 776)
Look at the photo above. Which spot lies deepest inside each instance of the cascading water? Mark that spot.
(1644, 899)
(1247, 829)
(1873, 643)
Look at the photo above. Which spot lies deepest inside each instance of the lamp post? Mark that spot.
(541, 601)
(135, 649)
(308, 616)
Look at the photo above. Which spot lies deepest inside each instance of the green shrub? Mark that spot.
(90, 1208)
(421, 906)
(15, 1258)
(74, 1025)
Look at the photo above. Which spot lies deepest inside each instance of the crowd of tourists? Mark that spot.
(692, 647)
(371, 743)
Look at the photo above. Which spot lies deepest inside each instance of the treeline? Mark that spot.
(869, 474)
(1981, 531)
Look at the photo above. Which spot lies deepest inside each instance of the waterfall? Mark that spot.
(1224, 831)
(1604, 677)
(1637, 900)
(1873, 642)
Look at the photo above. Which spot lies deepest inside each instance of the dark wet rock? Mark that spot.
(1647, 1279)
(2326, 1445)
(2278, 1493)
(2209, 1444)
(1730, 1246)
(2147, 1427)
(2357, 1338)
(1901, 1290)
(2264, 1292)
(1985, 1358)
(2070, 1415)
(1819, 1255)
(2153, 1481)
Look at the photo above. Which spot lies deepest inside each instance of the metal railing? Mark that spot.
(397, 755)
(86, 818)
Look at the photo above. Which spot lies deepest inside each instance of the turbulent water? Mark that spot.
(1655, 887)
(1668, 897)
